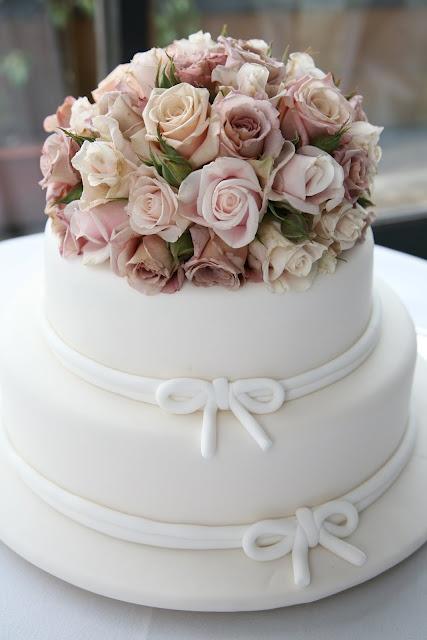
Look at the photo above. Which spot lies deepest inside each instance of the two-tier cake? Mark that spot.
(246, 441)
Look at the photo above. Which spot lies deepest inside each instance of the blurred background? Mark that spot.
(50, 49)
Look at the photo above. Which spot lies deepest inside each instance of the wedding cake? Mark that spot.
(205, 396)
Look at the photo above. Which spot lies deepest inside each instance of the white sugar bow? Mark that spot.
(307, 529)
(242, 397)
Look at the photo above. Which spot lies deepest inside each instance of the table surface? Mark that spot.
(37, 606)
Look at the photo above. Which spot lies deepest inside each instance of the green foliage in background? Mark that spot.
(15, 67)
(174, 19)
(59, 11)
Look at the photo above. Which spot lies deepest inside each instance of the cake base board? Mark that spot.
(389, 531)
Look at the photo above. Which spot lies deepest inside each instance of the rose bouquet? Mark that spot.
(213, 162)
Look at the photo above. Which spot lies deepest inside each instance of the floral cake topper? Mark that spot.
(211, 162)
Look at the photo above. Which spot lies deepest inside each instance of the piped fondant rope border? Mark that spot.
(244, 398)
(323, 525)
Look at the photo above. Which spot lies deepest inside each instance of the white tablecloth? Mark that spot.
(37, 606)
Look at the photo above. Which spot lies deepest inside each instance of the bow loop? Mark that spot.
(242, 397)
(274, 539)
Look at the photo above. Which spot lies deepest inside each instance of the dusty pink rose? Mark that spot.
(196, 57)
(62, 116)
(309, 180)
(249, 127)
(153, 206)
(146, 262)
(225, 196)
(59, 176)
(313, 107)
(182, 115)
(357, 171)
(254, 52)
(214, 262)
(69, 245)
(96, 227)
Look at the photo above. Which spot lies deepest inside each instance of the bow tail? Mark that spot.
(247, 421)
(300, 564)
(208, 434)
(343, 549)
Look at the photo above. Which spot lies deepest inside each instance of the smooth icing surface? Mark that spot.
(137, 459)
(208, 332)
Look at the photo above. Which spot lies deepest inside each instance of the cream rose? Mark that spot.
(182, 115)
(342, 227)
(300, 64)
(284, 265)
(81, 118)
(310, 180)
(364, 135)
(153, 206)
(105, 165)
(225, 196)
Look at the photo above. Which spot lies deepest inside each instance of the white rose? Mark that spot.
(252, 79)
(81, 118)
(300, 64)
(105, 165)
(182, 114)
(366, 136)
(285, 265)
(343, 226)
(141, 73)
(153, 206)
(198, 42)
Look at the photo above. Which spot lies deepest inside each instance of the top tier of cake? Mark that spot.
(207, 333)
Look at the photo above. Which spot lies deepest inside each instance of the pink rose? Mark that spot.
(249, 127)
(309, 180)
(225, 196)
(214, 262)
(153, 206)
(357, 171)
(69, 245)
(146, 262)
(96, 227)
(62, 116)
(59, 176)
(313, 107)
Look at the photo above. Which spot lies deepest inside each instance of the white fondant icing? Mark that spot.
(209, 332)
(143, 461)
(262, 541)
(243, 398)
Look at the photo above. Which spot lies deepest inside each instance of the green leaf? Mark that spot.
(182, 249)
(330, 143)
(296, 227)
(224, 31)
(170, 164)
(74, 194)
(365, 202)
(76, 138)
(166, 76)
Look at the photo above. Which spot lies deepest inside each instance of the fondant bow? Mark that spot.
(273, 539)
(242, 397)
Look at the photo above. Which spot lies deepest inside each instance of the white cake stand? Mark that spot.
(389, 531)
